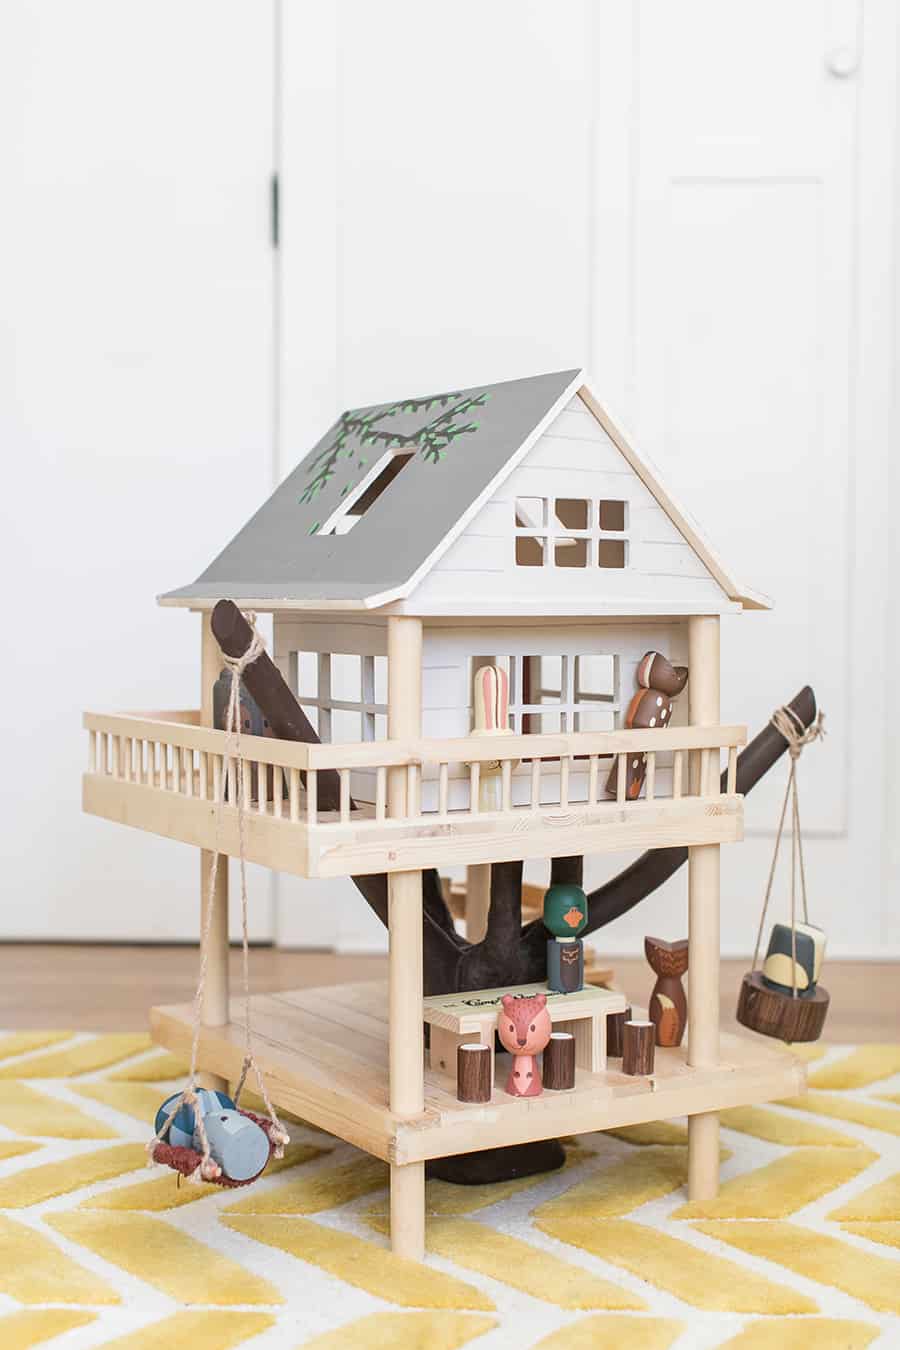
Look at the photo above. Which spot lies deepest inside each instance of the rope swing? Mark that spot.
(235, 1155)
(783, 998)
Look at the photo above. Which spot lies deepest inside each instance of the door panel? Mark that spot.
(135, 411)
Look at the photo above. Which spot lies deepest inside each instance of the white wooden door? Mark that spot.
(695, 201)
(135, 411)
(758, 367)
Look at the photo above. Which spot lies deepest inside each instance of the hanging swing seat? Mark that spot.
(796, 1012)
(189, 1161)
(774, 1013)
(199, 1161)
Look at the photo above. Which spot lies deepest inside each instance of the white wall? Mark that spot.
(697, 202)
(135, 411)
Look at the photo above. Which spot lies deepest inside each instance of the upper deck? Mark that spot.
(164, 772)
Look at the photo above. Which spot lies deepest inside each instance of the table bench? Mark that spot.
(455, 1019)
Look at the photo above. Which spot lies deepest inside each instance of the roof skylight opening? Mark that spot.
(352, 511)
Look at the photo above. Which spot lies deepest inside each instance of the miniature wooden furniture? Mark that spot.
(615, 1024)
(559, 1062)
(474, 1072)
(455, 1018)
(638, 1044)
(512, 526)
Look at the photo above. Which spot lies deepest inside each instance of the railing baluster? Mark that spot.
(217, 766)
(204, 774)
(592, 780)
(246, 783)
(92, 752)
(294, 791)
(262, 787)
(443, 788)
(535, 784)
(312, 793)
(731, 785)
(677, 772)
(506, 781)
(117, 757)
(704, 772)
(564, 781)
(104, 753)
(278, 794)
(474, 781)
(381, 790)
(345, 794)
(126, 759)
(412, 789)
(650, 778)
(621, 769)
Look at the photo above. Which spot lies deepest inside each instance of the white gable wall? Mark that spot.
(576, 459)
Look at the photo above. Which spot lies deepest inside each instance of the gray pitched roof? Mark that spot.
(460, 442)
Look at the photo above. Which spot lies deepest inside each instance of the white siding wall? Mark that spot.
(448, 648)
(574, 458)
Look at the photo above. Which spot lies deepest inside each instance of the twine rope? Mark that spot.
(790, 726)
(233, 776)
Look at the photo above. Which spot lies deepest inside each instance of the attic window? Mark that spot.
(578, 532)
(612, 543)
(366, 493)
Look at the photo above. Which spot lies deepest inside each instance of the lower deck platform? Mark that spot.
(324, 1053)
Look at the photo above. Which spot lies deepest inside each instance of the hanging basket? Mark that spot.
(774, 1013)
(765, 1006)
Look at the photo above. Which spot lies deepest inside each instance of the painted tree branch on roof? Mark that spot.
(356, 430)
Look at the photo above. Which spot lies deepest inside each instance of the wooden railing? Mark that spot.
(173, 753)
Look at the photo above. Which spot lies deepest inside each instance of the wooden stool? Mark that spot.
(474, 1072)
(614, 1024)
(638, 1045)
(559, 1061)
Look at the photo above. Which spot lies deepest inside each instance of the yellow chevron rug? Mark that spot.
(800, 1249)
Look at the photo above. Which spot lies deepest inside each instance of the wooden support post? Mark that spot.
(703, 921)
(214, 1012)
(478, 900)
(406, 1027)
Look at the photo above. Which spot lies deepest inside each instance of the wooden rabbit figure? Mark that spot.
(524, 1029)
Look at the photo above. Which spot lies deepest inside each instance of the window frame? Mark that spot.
(549, 531)
(322, 701)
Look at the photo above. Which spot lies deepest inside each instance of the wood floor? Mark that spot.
(110, 988)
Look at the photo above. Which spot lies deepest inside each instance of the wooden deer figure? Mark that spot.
(524, 1029)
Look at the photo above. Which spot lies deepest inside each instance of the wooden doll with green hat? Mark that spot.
(565, 915)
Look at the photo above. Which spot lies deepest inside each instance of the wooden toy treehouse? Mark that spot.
(509, 527)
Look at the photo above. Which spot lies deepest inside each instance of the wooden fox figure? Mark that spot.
(524, 1029)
